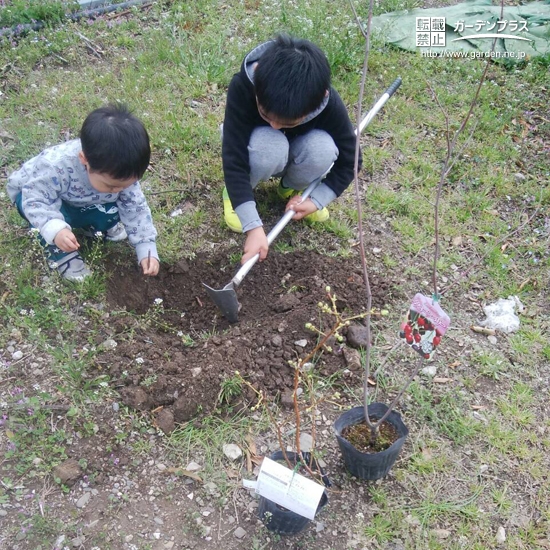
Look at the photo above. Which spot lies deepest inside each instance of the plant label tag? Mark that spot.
(289, 489)
(424, 325)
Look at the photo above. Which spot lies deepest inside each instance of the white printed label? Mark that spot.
(289, 489)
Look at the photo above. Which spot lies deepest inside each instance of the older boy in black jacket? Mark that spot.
(283, 118)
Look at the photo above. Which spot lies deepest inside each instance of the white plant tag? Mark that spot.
(289, 489)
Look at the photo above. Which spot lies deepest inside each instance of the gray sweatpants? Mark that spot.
(299, 161)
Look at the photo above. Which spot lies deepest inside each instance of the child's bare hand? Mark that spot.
(302, 208)
(65, 240)
(256, 242)
(150, 266)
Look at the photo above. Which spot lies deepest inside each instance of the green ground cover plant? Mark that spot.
(477, 455)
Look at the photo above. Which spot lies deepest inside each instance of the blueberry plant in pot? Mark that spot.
(275, 517)
(371, 436)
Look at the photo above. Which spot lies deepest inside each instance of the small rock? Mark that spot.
(83, 500)
(67, 472)
(195, 372)
(109, 344)
(429, 371)
(193, 467)
(306, 442)
(441, 533)
(286, 302)
(301, 343)
(492, 339)
(17, 355)
(239, 533)
(483, 468)
(165, 421)
(519, 177)
(501, 535)
(169, 545)
(357, 336)
(232, 451)
(352, 357)
(158, 521)
(77, 542)
(136, 397)
(376, 250)
(319, 526)
(287, 400)
(277, 341)
(306, 367)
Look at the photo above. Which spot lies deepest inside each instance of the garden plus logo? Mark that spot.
(499, 26)
(430, 31)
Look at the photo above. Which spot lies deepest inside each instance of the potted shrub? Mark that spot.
(275, 517)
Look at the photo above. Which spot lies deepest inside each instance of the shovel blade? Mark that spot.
(226, 300)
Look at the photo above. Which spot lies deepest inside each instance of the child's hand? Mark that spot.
(66, 241)
(302, 208)
(150, 266)
(256, 241)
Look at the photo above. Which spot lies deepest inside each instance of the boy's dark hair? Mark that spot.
(115, 142)
(291, 78)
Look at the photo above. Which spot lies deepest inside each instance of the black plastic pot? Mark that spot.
(283, 521)
(369, 465)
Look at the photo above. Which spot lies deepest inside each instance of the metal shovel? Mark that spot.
(226, 298)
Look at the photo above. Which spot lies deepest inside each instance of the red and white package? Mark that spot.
(424, 325)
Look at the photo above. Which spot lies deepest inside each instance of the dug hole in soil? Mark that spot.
(156, 366)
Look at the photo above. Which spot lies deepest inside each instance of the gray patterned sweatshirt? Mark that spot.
(56, 175)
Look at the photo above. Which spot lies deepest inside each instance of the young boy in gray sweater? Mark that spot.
(91, 184)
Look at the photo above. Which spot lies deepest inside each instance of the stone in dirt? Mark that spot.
(287, 399)
(239, 533)
(67, 472)
(83, 500)
(286, 303)
(306, 442)
(357, 336)
(353, 358)
(429, 371)
(232, 451)
(165, 421)
(184, 408)
(136, 397)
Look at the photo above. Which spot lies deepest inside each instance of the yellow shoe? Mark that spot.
(285, 192)
(229, 215)
(319, 215)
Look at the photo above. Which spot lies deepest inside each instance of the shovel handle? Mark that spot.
(271, 236)
(247, 266)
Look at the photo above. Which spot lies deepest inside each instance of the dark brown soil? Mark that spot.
(359, 435)
(175, 354)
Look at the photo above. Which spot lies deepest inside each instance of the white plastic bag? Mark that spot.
(501, 315)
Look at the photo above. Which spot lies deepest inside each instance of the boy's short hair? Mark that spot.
(115, 142)
(291, 78)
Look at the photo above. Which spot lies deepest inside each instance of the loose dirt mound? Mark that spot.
(176, 353)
